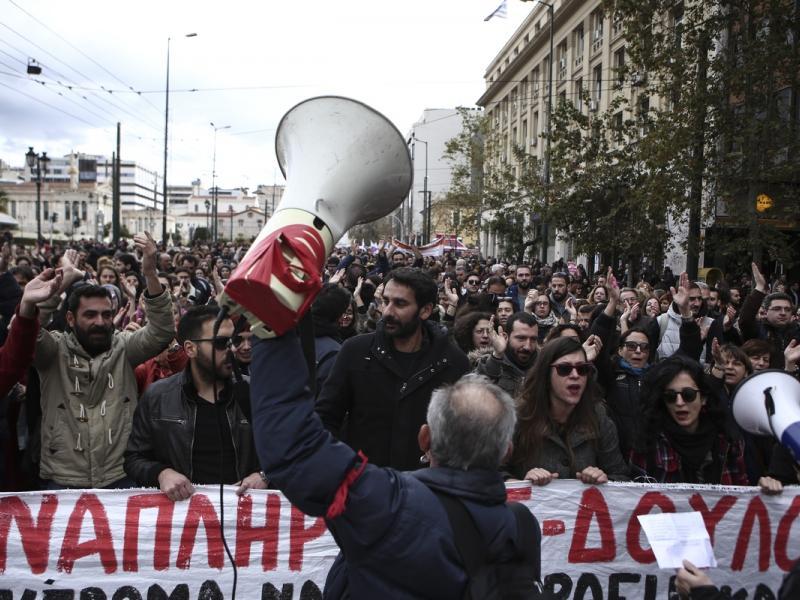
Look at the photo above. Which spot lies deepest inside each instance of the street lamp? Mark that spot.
(166, 135)
(426, 201)
(40, 162)
(545, 232)
(399, 222)
(214, 191)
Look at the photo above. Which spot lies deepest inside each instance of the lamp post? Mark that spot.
(214, 191)
(399, 222)
(545, 228)
(166, 136)
(40, 162)
(426, 201)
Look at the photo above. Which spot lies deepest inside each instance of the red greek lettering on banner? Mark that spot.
(102, 543)
(300, 535)
(713, 516)
(593, 505)
(755, 511)
(35, 539)
(247, 534)
(783, 536)
(200, 509)
(634, 532)
(130, 544)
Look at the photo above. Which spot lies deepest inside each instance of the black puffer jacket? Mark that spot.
(163, 429)
(383, 406)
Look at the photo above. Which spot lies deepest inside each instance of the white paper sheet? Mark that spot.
(677, 536)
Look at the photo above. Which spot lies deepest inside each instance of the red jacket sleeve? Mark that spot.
(16, 355)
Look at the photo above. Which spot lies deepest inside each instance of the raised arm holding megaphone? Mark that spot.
(344, 164)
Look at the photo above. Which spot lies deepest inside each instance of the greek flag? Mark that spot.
(501, 11)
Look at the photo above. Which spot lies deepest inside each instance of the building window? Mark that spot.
(535, 129)
(14, 209)
(597, 76)
(579, 94)
(619, 65)
(597, 30)
(66, 211)
(525, 133)
(677, 25)
(46, 210)
(84, 212)
(535, 81)
(578, 44)
(241, 222)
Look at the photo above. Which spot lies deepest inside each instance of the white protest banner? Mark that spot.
(137, 544)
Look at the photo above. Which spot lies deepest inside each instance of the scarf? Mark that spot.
(549, 321)
(693, 448)
(637, 372)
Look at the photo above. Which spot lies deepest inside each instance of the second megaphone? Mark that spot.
(344, 164)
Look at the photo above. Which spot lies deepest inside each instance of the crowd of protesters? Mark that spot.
(110, 369)
(117, 372)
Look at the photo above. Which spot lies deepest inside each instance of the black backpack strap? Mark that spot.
(468, 539)
(529, 537)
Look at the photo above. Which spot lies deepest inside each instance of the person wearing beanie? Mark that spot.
(328, 307)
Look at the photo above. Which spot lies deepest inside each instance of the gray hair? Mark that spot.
(472, 423)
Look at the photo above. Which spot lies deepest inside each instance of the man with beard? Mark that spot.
(88, 387)
(559, 294)
(514, 349)
(194, 427)
(519, 290)
(381, 382)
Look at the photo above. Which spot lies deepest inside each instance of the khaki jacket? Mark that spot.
(88, 402)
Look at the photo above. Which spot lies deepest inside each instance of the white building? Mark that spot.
(428, 135)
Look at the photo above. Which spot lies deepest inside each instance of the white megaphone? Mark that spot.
(344, 164)
(768, 403)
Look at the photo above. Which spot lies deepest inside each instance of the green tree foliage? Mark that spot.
(726, 126)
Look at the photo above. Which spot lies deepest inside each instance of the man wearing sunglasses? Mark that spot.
(194, 427)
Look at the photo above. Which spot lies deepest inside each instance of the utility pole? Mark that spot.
(116, 202)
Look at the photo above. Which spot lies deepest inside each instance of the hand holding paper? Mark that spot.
(678, 536)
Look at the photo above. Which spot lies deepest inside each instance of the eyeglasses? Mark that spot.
(689, 395)
(473, 282)
(221, 342)
(634, 346)
(565, 369)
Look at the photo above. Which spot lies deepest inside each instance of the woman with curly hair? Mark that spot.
(598, 295)
(563, 431)
(472, 334)
(688, 436)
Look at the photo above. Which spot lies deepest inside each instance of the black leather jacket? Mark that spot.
(162, 434)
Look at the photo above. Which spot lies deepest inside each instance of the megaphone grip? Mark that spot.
(279, 279)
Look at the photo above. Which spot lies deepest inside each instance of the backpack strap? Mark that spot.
(469, 542)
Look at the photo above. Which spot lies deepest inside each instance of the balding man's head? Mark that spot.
(471, 424)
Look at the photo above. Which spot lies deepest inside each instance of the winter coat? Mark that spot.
(16, 355)
(384, 406)
(578, 451)
(752, 329)
(394, 534)
(503, 372)
(88, 402)
(670, 324)
(163, 433)
(663, 463)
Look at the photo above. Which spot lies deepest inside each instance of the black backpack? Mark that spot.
(518, 579)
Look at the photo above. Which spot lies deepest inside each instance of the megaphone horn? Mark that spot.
(344, 164)
(768, 403)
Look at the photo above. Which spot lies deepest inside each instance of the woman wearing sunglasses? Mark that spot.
(563, 431)
(689, 437)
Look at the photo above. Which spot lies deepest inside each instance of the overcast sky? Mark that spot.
(250, 62)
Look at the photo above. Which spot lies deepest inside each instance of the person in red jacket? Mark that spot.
(16, 355)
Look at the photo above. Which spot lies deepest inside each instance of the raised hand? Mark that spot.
(69, 269)
(147, 246)
(530, 300)
(452, 296)
(791, 354)
(499, 339)
(730, 315)
(681, 296)
(592, 347)
(758, 278)
(40, 288)
(337, 277)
